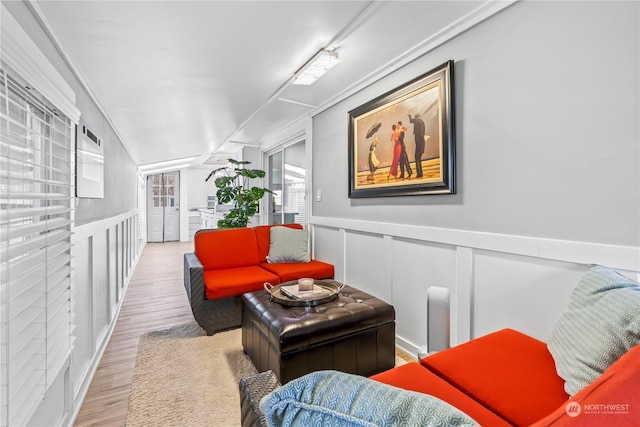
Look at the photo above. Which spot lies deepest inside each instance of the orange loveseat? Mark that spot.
(508, 378)
(228, 263)
(505, 378)
(586, 374)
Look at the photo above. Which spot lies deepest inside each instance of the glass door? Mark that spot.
(287, 180)
(275, 185)
(294, 178)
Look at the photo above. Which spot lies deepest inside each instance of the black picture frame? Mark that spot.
(428, 98)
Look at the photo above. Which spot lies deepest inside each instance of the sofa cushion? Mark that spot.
(512, 374)
(295, 270)
(236, 281)
(611, 400)
(335, 398)
(263, 236)
(415, 377)
(288, 245)
(229, 248)
(600, 324)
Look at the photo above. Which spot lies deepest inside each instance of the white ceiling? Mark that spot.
(200, 78)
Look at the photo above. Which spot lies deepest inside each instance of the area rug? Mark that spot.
(185, 378)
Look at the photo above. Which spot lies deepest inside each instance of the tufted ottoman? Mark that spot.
(355, 333)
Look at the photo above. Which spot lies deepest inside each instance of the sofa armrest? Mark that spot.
(252, 390)
(212, 315)
(193, 277)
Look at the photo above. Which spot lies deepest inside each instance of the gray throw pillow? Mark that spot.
(600, 324)
(288, 245)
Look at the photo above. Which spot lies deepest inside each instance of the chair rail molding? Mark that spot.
(614, 256)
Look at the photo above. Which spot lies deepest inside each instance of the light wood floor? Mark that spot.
(155, 299)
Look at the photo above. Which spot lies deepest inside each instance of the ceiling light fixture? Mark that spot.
(151, 168)
(315, 68)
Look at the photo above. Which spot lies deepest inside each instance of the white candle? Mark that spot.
(305, 284)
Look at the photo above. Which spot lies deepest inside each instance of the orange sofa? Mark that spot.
(228, 263)
(586, 374)
(505, 378)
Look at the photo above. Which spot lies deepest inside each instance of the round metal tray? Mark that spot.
(276, 294)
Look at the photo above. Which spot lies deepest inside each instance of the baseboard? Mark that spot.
(408, 347)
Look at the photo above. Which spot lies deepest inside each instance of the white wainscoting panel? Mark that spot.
(114, 291)
(461, 295)
(120, 263)
(374, 252)
(328, 246)
(496, 281)
(416, 266)
(81, 290)
(520, 292)
(99, 284)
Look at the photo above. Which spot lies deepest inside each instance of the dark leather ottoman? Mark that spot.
(355, 333)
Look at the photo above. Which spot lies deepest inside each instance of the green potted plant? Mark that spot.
(233, 186)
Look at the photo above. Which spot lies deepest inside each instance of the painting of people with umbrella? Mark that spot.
(402, 143)
(373, 159)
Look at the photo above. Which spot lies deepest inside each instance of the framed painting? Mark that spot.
(402, 143)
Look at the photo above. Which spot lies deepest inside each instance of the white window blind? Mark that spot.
(36, 154)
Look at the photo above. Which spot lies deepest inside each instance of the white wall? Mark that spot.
(194, 191)
(546, 97)
(547, 107)
(197, 189)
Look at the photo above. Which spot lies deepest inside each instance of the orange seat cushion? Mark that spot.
(236, 281)
(414, 377)
(263, 236)
(512, 374)
(611, 400)
(229, 248)
(295, 270)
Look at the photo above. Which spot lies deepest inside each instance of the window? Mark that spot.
(163, 187)
(36, 215)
